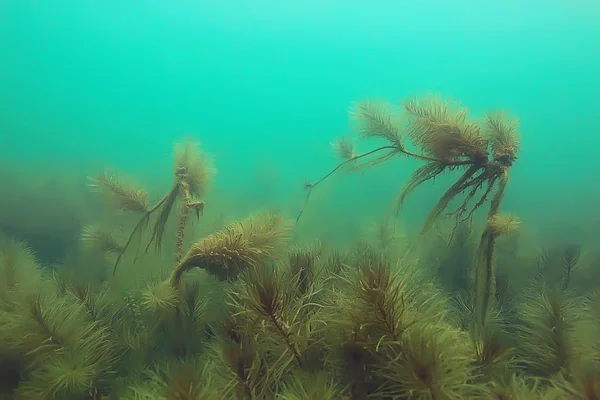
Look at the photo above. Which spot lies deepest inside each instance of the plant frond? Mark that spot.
(166, 209)
(193, 167)
(374, 302)
(470, 183)
(45, 324)
(423, 174)
(83, 367)
(378, 287)
(382, 155)
(118, 194)
(503, 224)
(226, 253)
(430, 362)
(503, 133)
(577, 388)
(336, 262)
(178, 380)
(264, 294)
(344, 148)
(442, 128)
(97, 238)
(310, 386)
(378, 119)
(244, 369)
(303, 266)
(548, 335)
(518, 387)
(494, 355)
(160, 298)
(20, 272)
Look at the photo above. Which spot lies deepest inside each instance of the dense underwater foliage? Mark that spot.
(174, 306)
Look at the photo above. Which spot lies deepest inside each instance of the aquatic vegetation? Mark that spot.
(60, 347)
(245, 312)
(119, 195)
(192, 175)
(548, 334)
(447, 139)
(225, 254)
(295, 323)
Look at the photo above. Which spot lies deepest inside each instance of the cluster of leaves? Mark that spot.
(57, 336)
(319, 323)
(446, 137)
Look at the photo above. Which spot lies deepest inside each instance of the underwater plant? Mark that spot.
(390, 335)
(559, 263)
(223, 254)
(447, 139)
(186, 379)
(56, 342)
(244, 315)
(227, 253)
(548, 335)
(192, 176)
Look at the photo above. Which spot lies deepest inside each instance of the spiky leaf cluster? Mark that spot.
(193, 167)
(120, 196)
(443, 130)
(344, 148)
(549, 340)
(103, 240)
(67, 353)
(378, 119)
(503, 133)
(226, 253)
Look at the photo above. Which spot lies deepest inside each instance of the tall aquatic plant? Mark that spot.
(192, 176)
(446, 139)
(224, 254)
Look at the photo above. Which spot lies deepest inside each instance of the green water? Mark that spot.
(266, 87)
(329, 308)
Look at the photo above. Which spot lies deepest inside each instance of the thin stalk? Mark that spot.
(286, 337)
(311, 186)
(183, 218)
(137, 227)
(485, 273)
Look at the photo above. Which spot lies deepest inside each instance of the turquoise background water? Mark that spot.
(266, 87)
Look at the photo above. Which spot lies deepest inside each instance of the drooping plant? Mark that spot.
(228, 252)
(223, 254)
(447, 139)
(193, 174)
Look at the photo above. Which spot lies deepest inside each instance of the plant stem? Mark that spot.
(358, 157)
(398, 149)
(183, 217)
(286, 336)
(137, 227)
(485, 273)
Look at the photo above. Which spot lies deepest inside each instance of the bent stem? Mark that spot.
(311, 186)
(393, 148)
(485, 273)
(137, 227)
(180, 190)
(177, 273)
